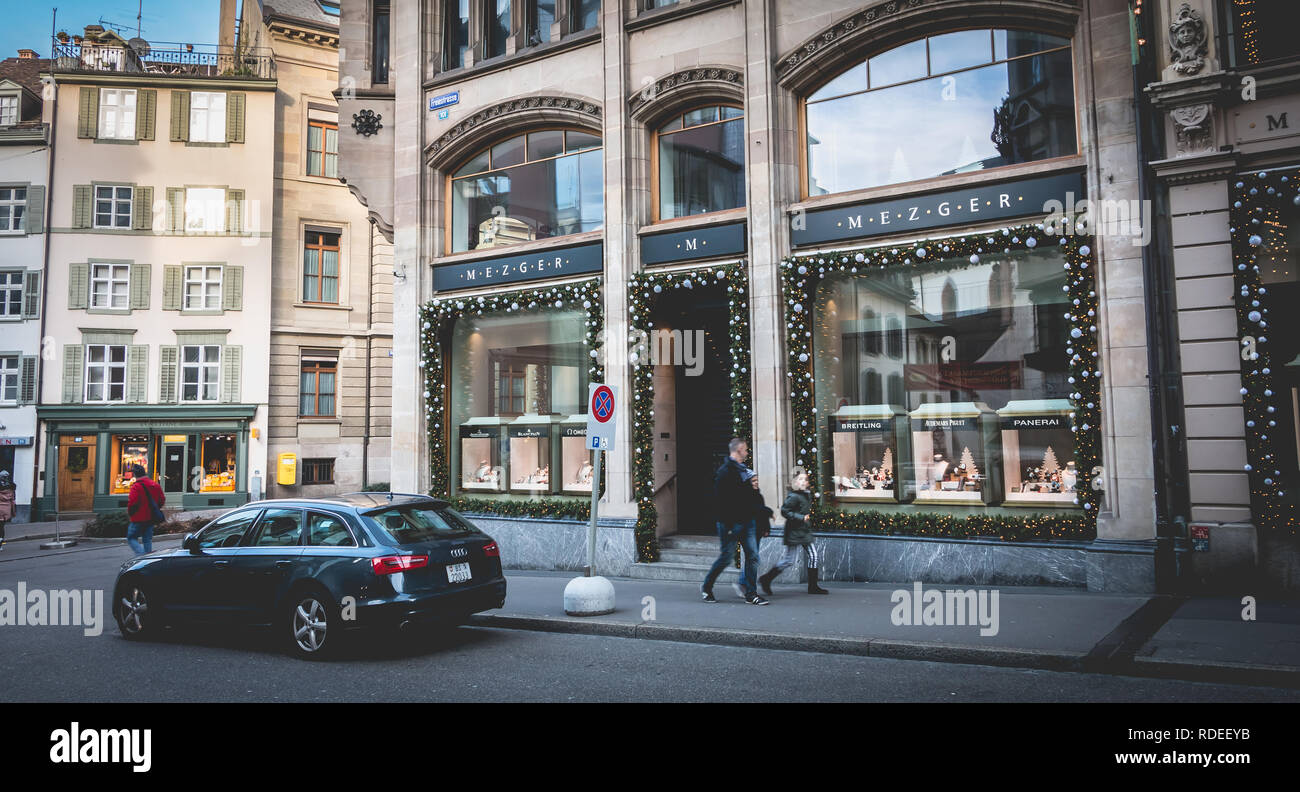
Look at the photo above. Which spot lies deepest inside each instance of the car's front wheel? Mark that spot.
(131, 608)
(313, 625)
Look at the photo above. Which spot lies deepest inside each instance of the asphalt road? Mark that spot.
(479, 664)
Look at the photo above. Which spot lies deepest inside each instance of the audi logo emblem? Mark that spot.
(459, 552)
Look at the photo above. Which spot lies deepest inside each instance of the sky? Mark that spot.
(189, 21)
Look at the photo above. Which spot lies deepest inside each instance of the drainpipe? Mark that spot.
(370, 326)
(1169, 450)
(45, 290)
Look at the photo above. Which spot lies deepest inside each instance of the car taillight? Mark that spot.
(387, 565)
(491, 550)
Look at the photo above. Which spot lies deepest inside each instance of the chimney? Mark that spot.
(226, 26)
(26, 54)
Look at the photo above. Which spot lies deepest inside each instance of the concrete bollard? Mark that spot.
(589, 596)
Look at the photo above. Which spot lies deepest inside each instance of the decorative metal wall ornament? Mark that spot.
(1187, 41)
(367, 123)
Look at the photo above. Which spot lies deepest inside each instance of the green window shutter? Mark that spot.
(232, 288)
(27, 379)
(234, 118)
(231, 364)
(142, 209)
(137, 373)
(78, 284)
(31, 294)
(141, 285)
(234, 211)
(35, 215)
(167, 357)
(180, 115)
(146, 106)
(72, 368)
(88, 113)
(176, 208)
(173, 284)
(81, 197)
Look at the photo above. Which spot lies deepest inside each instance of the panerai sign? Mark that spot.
(979, 204)
(577, 260)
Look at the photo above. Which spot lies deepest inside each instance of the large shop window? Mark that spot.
(701, 162)
(965, 101)
(1255, 31)
(128, 450)
(217, 455)
(534, 186)
(518, 404)
(946, 384)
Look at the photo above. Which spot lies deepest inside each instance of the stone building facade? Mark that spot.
(752, 157)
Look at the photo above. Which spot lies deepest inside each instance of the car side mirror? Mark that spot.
(191, 543)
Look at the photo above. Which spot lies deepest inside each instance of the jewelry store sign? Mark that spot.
(978, 204)
(576, 260)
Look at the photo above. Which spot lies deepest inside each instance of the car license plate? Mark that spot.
(457, 573)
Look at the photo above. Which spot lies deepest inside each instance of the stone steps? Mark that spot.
(686, 558)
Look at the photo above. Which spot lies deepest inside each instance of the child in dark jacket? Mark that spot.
(798, 534)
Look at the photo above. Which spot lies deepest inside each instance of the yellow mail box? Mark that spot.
(286, 471)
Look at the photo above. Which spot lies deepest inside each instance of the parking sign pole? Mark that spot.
(595, 503)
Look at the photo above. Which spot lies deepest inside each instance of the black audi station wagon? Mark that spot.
(315, 569)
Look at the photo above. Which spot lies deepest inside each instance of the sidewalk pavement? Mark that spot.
(72, 528)
(1198, 638)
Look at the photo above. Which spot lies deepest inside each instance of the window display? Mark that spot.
(218, 461)
(955, 344)
(128, 450)
(869, 445)
(575, 459)
(530, 454)
(954, 448)
(525, 370)
(1037, 452)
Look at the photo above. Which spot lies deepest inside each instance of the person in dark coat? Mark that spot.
(736, 502)
(798, 534)
(139, 510)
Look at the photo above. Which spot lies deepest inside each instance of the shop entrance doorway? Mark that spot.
(699, 417)
(173, 468)
(76, 473)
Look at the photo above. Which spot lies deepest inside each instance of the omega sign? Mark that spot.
(577, 260)
(981, 204)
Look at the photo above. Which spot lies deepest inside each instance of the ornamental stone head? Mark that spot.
(1187, 41)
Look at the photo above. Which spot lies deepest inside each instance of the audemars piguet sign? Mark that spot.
(576, 260)
(979, 204)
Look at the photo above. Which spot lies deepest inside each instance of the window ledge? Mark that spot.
(659, 16)
(118, 141)
(308, 419)
(695, 221)
(326, 306)
(523, 248)
(198, 312)
(207, 144)
(993, 175)
(571, 41)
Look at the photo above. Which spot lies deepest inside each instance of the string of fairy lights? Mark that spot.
(644, 292)
(1259, 241)
(436, 320)
(1248, 29)
(801, 276)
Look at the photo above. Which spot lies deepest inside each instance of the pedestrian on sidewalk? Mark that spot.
(736, 502)
(798, 535)
(762, 527)
(144, 505)
(6, 503)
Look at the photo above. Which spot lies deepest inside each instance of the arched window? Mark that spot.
(533, 186)
(957, 102)
(700, 157)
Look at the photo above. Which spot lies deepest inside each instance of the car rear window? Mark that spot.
(413, 524)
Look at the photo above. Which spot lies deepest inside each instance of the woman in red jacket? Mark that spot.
(144, 497)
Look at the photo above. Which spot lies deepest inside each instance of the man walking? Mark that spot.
(144, 509)
(736, 498)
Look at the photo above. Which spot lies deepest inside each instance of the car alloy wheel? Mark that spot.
(132, 612)
(310, 625)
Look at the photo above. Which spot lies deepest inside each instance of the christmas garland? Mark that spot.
(800, 276)
(643, 293)
(1257, 230)
(438, 317)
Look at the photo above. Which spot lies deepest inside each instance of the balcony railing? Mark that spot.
(166, 58)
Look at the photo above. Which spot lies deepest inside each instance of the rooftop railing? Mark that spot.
(165, 58)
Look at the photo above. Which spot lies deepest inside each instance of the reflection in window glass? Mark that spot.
(519, 201)
(456, 33)
(498, 27)
(701, 164)
(586, 14)
(947, 383)
(542, 14)
(1021, 110)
